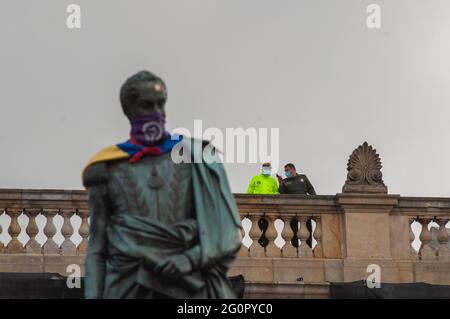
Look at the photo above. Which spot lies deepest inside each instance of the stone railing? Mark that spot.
(262, 213)
(47, 230)
(31, 220)
(407, 238)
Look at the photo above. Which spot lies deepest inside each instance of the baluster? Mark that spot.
(243, 251)
(14, 246)
(413, 252)
(50, 247)
(32, 246)
(2, 246)
(67, 246)
(255, 249)
(317, 234)
(443, 252)
(271, 234)
(83, 231)
(287, 234)
(426, 252)
(304, 250)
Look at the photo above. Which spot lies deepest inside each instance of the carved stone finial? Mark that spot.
(364, 172)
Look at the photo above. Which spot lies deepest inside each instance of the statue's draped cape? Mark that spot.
(214, 233)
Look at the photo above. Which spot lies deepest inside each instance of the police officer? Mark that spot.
(263, 183)
(296, 184)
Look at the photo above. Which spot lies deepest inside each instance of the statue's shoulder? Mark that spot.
(95, 174)
(95, 171)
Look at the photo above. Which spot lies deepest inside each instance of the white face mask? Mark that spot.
(266, 171)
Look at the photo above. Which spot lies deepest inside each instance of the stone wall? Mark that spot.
(351, 232)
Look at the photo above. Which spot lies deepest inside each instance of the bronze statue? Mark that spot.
(158, 229)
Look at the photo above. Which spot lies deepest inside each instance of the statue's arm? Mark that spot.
(229, 251)
(95, 180)
(195, 257)
(192, 259)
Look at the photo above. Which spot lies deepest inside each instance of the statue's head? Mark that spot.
(143, 94)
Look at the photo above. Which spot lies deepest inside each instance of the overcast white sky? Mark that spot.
(310, 68)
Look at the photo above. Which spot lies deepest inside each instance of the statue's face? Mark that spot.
(150, 98)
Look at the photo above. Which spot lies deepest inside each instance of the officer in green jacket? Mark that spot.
(263, 183)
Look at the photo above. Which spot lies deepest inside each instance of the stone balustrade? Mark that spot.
(27, 245)
(291, 213)
(50, 247)
(407, 237)
(262, 213)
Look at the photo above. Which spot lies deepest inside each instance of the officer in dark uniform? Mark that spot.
(296, 184)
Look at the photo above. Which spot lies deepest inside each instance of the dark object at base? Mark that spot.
(359, 290)
(54, 286)
(238, 284)
(37, 286)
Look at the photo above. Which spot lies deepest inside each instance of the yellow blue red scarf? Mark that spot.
(133, 150)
